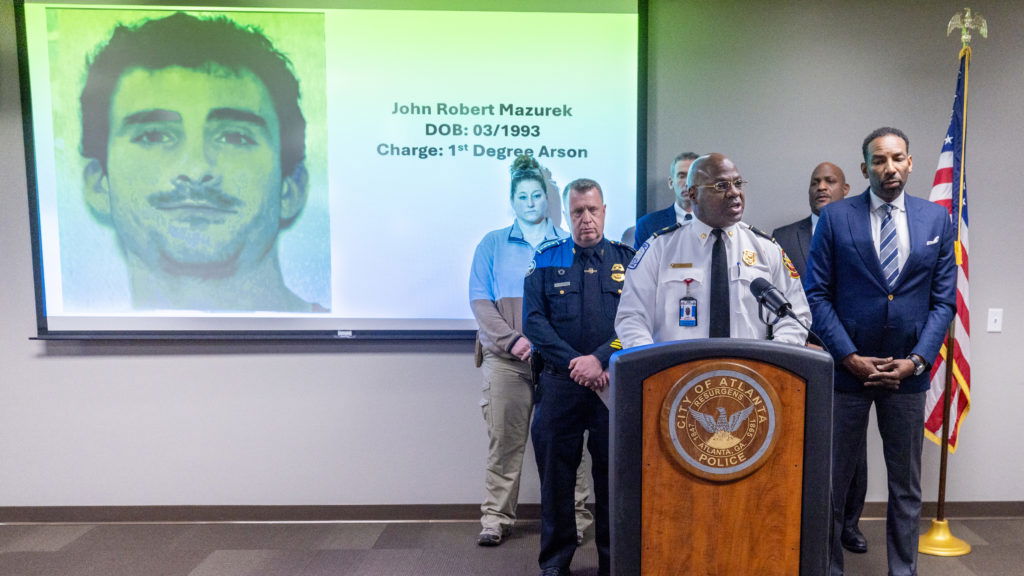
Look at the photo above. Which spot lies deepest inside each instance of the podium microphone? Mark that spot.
(770, 297)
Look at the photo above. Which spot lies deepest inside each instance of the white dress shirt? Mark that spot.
(681, 215)
(656, 280)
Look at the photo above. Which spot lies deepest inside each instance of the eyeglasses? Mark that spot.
(723, 186)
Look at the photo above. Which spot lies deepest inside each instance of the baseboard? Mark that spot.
(355, 513)
(379, 513)
(956, 510)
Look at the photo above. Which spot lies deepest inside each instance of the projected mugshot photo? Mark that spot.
(194, 144)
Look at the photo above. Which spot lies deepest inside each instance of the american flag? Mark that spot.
(950, 190)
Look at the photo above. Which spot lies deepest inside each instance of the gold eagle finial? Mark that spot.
(966, 21)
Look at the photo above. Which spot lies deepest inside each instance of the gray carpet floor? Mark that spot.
(389, 549)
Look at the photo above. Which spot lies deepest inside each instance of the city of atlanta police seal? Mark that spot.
(720, 422)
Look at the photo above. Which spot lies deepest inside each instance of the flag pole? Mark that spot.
(939, 540)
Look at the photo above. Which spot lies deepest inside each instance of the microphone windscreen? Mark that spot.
(758, 287)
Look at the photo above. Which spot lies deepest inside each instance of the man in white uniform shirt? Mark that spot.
(669, 287)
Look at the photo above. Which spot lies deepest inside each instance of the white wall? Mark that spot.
(777, 86)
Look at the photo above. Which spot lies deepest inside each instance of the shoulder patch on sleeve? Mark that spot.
(789, 266)
(639, 255)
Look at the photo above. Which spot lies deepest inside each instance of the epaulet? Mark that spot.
(760, 232)
(621, 245)
(665, 230)
(551, 243)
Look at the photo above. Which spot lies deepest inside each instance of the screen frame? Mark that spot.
(43, 331)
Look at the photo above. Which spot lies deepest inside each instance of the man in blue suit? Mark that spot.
(679, 211)
(882, 291)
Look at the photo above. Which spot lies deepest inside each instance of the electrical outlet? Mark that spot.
(995, 320)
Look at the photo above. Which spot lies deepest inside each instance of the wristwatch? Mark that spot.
(919, 364)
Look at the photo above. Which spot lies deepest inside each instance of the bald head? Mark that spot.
(828, 185)
(714, 207)
(698, 171)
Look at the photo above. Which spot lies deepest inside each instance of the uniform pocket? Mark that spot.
(611, 290)
(746, 275)
(687, 282)
(564, 299)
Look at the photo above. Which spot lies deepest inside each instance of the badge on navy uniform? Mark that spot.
(618, 272)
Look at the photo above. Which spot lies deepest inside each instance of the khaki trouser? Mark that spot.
(507, 406)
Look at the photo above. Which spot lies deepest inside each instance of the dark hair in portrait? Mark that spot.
(878, 133)
(525, 168)
(189, 42)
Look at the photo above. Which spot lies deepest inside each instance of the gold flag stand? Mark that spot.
(939, 540)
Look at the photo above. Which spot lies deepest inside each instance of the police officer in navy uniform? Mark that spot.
(570, 298)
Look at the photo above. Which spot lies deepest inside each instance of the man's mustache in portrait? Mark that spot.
(188, 194)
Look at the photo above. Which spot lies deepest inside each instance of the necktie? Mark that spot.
(888, 247)
(591, 298)
(719, 325)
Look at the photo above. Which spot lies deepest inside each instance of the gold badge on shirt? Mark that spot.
(618, 272)
(749, 257)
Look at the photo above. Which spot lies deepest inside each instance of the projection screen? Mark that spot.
(310, 169)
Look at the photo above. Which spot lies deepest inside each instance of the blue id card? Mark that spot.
(687, 311)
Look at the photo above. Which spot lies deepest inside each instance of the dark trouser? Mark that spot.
(857, 492)
(901, 425)
(565, 410)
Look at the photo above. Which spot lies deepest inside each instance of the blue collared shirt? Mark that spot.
(500, 263)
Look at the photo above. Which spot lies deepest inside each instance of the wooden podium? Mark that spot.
(720, 459)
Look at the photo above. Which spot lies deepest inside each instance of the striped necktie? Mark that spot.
(888, 247)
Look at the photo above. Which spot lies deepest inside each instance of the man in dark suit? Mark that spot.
(882, 290)
(828, 184)
(679, 211)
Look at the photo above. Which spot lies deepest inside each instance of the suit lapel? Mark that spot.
(917, 229)
(803, 239)
(860, 231)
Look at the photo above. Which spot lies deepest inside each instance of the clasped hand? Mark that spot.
(879, 372)
(587, 371)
